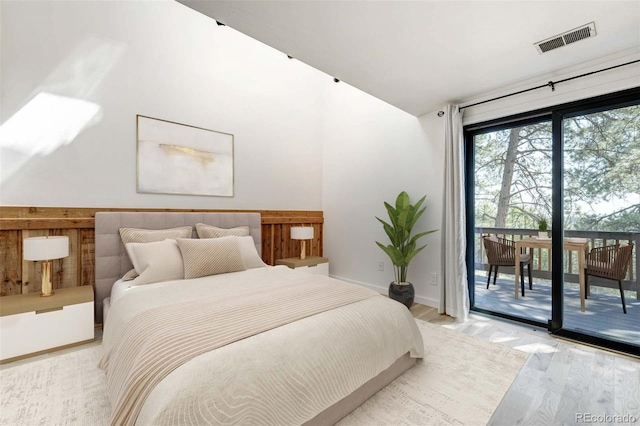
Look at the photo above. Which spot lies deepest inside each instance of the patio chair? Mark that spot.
(502, 252)
(610, 262)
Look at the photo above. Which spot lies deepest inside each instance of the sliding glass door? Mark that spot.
(602, 211)
(512, 193)
(577, 167)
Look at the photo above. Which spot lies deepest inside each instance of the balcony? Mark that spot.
(603, 313)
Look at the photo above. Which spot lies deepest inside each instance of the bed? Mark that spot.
(265, 345)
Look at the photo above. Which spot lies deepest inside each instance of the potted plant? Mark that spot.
(542, 229)
(403, 245)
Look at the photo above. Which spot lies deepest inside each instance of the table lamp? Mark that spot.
(302, 233)
(46, 249)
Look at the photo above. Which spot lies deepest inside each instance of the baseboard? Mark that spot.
(434, 303)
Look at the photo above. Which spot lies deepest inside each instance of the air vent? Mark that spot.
(577, 34)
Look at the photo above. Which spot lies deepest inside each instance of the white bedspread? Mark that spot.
(282, 376)
(119, 288)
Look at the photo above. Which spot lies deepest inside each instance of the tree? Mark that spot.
(601, 167)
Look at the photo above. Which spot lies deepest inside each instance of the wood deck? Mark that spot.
(603, 315)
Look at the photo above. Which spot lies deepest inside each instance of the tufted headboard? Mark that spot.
(112, 261)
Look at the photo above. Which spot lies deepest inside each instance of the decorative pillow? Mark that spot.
(210, 256)
(137, 235)
(156, 262)
(130, 275)
(210, 231)
(249, 253)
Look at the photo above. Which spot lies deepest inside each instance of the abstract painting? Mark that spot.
(180, 159)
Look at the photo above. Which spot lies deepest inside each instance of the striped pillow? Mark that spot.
(210, 231)
(136, 235)
(210, 256)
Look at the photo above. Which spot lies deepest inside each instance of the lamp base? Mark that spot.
(303, 251)
(47, 289)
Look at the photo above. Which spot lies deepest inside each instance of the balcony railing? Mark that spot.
(541, 261)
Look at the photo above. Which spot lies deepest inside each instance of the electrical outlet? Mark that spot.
(380, 265)
(433, 278)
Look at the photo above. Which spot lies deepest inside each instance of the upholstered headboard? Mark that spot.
(112, 261)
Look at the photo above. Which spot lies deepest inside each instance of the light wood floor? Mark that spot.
(560, 381)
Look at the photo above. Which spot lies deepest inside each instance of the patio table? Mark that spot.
(581, 247)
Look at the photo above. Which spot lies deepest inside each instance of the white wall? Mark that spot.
(164, 60)
(590, 86)
(301, 141)
(372, 152)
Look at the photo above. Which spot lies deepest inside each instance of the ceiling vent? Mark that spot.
(577, 34)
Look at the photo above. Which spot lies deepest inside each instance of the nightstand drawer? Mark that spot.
(35, 331)
(319, 269)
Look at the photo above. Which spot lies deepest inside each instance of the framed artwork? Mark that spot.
(180, 159)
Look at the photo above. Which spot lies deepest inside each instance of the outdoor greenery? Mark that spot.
(601, 173)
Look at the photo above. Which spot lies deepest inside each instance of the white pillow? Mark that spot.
(156, 262)
(249, 253)
(210, 256)
(209, 231)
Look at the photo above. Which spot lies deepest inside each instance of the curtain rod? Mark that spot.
(550, 84)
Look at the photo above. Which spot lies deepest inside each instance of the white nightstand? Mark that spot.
(310, 265)
(31, 325)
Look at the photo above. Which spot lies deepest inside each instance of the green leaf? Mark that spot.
(393, 214)
(392, 234)
(422, 234)
(413, 254)
(394, 254)
(419, 203)
(417, 216)
(402, 202)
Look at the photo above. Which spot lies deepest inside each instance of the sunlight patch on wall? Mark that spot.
(56, 112)
(84, 69)
(47, 122)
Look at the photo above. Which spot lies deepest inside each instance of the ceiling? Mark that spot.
(420, 55)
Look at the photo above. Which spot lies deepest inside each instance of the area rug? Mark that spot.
(461, 381)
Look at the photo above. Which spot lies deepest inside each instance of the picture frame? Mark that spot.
(180, 159)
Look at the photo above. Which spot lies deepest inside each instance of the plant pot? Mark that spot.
(403, 293)
(543, 235)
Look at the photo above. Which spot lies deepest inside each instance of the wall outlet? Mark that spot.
(433, 278)
(380, 265)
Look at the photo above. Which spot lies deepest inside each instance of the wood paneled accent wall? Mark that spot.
(16, 223)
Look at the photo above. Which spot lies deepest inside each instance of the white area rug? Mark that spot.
(461, 381)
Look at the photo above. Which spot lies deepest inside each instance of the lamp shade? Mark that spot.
(45, 248)
(302, 233)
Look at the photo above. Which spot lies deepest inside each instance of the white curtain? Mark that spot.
(454, 294)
